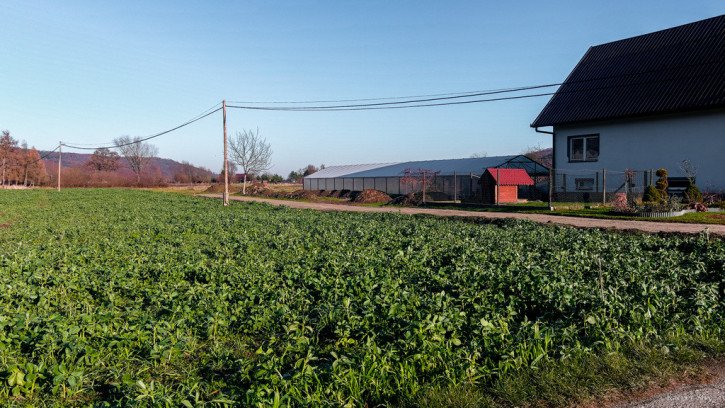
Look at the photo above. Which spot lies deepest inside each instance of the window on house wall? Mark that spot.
(583, 148)
(584, 184)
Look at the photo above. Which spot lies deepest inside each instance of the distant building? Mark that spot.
(453, 178)
(641, 103)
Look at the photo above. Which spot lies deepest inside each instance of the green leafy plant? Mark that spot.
(135, 298)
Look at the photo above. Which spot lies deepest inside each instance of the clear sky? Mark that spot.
(89, 71)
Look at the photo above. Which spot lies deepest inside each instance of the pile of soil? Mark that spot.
(405, 200)
(219, 188)
(298, 195)
(258, 190)
(371, 197)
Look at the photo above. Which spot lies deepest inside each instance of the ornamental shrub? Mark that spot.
(693, 194)
(661, 184)
(651, 195)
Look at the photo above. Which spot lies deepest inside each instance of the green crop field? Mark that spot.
(138, 298)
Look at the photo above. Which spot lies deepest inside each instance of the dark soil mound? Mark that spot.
(301, 195)
(405, 200)
(371, 197)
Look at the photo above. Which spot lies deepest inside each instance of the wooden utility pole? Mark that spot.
(60, 151)
(226, 168)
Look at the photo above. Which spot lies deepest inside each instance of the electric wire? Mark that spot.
(462, 95)
(397, 105)
(143, 139)
(459, 95)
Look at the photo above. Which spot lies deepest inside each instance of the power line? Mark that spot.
(400, 105)
(197, 118)
(48, 153)
(459, 94)
(372, 107)
(450, 96)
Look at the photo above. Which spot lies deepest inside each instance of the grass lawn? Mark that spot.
(579, 210)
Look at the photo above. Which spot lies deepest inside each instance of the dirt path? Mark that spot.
(710, 394)
(646, 226)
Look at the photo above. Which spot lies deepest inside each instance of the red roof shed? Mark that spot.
(511, 177)
(501, 185)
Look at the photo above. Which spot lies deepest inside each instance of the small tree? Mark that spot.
(661, 184)
(137, 153)
(689, 170)
(252, 153)
(693, 194)
(310, 169)
(103, 159)
(8, 147)
(293, 176)
(651, 195)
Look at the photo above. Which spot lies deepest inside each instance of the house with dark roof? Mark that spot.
(641, 103)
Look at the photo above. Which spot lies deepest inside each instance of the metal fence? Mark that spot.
(598, 186)
(438, 187)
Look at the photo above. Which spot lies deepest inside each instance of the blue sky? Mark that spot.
(89, 71)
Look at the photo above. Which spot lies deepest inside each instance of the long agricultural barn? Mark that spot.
(456, 179)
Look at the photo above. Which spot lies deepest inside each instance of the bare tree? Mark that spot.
(138, 154)
(252, 153)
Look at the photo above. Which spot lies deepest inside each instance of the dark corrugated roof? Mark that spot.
(675, 70)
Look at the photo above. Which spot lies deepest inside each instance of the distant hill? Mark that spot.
(544, 156)
(168, 167)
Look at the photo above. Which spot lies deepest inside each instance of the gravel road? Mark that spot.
(711, 395)
(646, 226)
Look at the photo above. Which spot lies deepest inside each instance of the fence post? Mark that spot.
(455, 187)
(551, 188)
(604, 186)
(470, 187)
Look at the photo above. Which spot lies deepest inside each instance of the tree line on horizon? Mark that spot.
(132, 165)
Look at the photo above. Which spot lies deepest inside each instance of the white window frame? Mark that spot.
(585, 141)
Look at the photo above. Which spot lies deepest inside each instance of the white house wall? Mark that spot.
(646, 144)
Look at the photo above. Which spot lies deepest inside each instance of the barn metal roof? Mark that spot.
(444, 167)
(511, 177)
(679, 69)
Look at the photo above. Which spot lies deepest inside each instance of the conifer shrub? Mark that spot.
(661, 184)
(651, 195)
(693, 194)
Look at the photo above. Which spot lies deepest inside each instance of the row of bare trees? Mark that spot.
(19, 164)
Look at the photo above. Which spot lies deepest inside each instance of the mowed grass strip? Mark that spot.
(137, 298)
